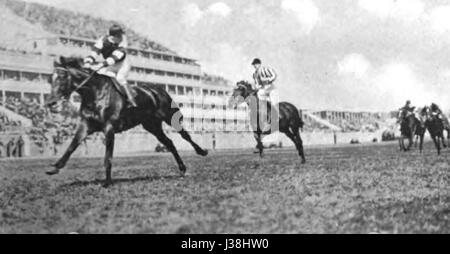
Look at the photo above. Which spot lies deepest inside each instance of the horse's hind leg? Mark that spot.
(421, 143)
(176, 121)
(200, 151)
(156, 129)
(259, 144)
(294, 135)
(109, 151)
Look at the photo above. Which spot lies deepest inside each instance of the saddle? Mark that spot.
(267, 113)
(119, 88)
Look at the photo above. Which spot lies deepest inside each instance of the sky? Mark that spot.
(361, 55)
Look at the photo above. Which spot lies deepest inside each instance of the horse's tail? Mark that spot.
(301, 122)
(299, 119)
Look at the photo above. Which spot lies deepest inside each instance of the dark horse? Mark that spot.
(435, 127)
(409, 126)
(104, 109)
(421, 129)
(288, 119)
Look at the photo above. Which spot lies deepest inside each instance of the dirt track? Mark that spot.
(340, 190)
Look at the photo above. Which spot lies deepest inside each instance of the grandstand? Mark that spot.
(346, 121)
(26, 64)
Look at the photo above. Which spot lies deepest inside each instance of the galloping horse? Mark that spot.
(286, 116)
(408, 129)
(104, 109)
(435, 127)
(434, 108)
(421, 128)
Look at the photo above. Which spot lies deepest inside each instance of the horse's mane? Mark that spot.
(70, 62)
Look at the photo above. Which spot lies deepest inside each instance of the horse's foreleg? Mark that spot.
(448, 136)
(421, 143)
(259, 143)
(82, 132)
(444, 144)
(109, 152)
(410, 142)
(437, 143)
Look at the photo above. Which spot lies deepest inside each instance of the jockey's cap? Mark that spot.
(256, 61)
(116, 30)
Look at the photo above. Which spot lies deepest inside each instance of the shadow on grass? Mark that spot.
(122, 181)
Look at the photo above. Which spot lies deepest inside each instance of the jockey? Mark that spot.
(264, 78)
(405, 111)
(435, 110)
(407, 107)
(113, 49)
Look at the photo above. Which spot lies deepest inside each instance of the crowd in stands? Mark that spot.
(368, 125)
(69, 23)
(47, 128)
(313, 126)
(215, 80)
(6, 124)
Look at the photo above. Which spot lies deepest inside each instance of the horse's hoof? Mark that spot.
(203, 153)
(52, 172)
(107, 184)
(183, 171)
(303, 161)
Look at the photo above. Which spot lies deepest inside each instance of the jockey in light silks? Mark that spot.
(113, 49)
(265, 78)
(435, 110)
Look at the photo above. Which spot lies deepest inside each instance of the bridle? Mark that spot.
(69, 77)
(82, 84)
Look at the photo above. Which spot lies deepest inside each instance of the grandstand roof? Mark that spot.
(84, 39)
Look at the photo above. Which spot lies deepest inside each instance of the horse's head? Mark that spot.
(423, 114)
(240, 93)
(67, 73)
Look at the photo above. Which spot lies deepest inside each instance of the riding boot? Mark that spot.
(130, 97)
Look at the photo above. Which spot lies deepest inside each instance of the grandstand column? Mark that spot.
(41, 99)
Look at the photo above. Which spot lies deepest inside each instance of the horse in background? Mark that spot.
(435, 126)
(283, 117)
(409, 125)
(435, 109)
(104, 109)
(421, 129)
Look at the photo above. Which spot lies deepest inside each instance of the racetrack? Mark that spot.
(360, 189)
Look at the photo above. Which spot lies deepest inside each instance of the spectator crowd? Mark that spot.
(47, 128)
